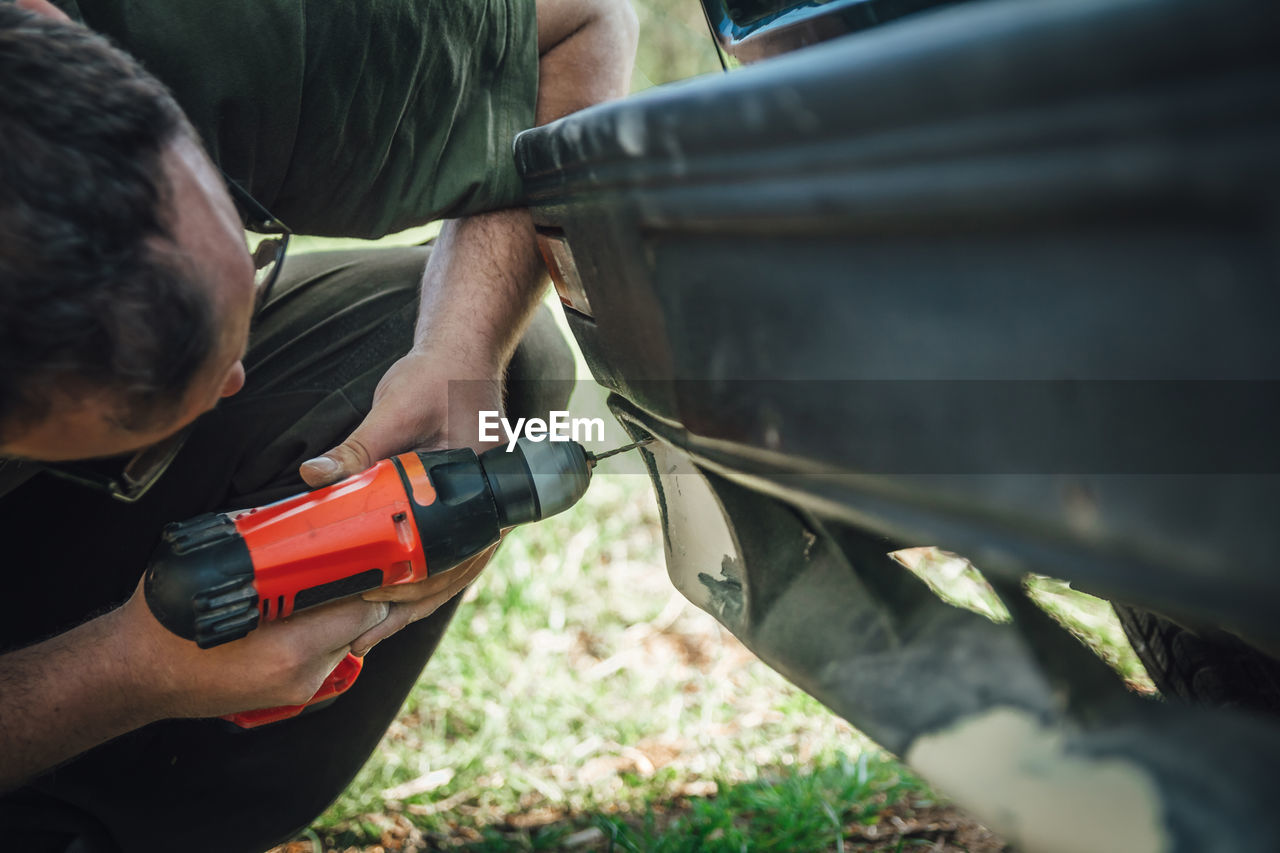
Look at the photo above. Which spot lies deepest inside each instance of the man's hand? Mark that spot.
(411, 602)
(280, 663)
(420, 404)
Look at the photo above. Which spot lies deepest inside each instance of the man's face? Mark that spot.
(208, 235)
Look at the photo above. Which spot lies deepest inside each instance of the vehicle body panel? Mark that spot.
(1000, 278)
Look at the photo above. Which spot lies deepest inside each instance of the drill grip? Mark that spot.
(335, 684)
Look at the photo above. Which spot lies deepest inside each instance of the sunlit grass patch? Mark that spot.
(798, 811)
(953, 579)
(1094, 623)
(575, 680)
(1090, 619)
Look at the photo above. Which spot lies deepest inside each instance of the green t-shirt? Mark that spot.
(352, 118)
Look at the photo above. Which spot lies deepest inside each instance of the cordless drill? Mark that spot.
(216, 577)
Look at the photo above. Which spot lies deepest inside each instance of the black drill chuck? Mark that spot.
(536, 480)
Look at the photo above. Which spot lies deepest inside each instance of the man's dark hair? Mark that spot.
(86, 301)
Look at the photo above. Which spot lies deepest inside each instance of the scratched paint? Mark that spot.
(702, 556)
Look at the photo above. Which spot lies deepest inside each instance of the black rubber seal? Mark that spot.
(333, 590)
(514, 491)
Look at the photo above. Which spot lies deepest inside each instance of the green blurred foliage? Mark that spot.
(675, 42)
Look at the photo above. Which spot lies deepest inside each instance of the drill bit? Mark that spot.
(593, 458)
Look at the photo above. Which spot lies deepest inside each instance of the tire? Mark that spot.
(1212, 668)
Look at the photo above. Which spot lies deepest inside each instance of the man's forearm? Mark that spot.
(63, 696)
(485, 274)
(479, 289)
(123, 670)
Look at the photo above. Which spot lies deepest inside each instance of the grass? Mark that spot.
(796, 812)
(675, 43)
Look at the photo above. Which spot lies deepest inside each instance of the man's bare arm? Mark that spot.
(123, 670)
(485, 275)
(63, 696)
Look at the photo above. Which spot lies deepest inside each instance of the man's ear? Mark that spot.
(43, 7)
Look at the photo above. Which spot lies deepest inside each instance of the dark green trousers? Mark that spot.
(335, 323)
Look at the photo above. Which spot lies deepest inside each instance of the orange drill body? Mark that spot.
(356, 534)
